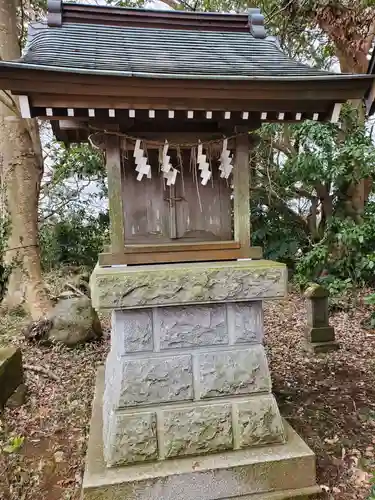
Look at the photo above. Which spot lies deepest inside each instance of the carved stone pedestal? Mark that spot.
(187, 410)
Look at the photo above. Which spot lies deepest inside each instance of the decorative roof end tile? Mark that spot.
(256, 23)
(54, 17)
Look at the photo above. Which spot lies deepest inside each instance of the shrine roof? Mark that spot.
(158, 44)
(141, 51)
(97, 62)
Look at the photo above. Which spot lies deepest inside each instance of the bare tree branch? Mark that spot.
(11, 105)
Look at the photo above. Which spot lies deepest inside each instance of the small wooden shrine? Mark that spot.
(184, 409)
(171, 97)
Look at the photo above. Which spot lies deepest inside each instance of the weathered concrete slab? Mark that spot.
(187, 380)
(132, 440)
(133, 330)
(11, 372)
(323, 334)
(259, 422)
(125, 287)
(277, 472)
(187, 326)
(197, 430)
(162, 431)
(301, 494)
(156, 380)
(230, 373)
(194, 326)
(245, 322)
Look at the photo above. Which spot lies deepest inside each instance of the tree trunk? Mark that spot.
(21, 172)
(351, 50)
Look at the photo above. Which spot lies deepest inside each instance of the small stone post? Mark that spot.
(320, 337)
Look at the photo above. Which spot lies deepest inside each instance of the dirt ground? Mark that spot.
(329, 399)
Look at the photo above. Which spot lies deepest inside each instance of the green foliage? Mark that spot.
(13, 445)
(75, 240)
(80, 160)
(277, 229)
(327, 155)
(346, 254)
(74, 222)
(313, 160)
(304, 209)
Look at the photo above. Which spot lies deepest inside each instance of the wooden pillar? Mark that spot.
(241, 180)
(116, 209)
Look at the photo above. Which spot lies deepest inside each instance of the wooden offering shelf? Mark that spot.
(180, 252)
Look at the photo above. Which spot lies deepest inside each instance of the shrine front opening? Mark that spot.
(178, 201)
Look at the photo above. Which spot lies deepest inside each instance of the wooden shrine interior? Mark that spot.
(155, 223)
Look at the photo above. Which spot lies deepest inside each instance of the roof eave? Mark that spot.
(47, 86)
(19, 65)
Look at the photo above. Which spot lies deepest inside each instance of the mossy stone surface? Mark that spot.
(190, 283)
(324, 334)
(315, 291)
(11, 372)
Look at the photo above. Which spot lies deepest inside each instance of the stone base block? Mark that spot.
(322, 334)
(321, 347)
(129, 287)
(276, 472)
(11, 372)
(173, 431)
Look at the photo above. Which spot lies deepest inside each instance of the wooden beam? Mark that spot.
(48, 78)
(173, 137)
(182, 247)
(116, 210)
(241, 202)
(122, 258)
(72, 124)
(170, 105)
(23, 80)
(178, 92)
(176, 246)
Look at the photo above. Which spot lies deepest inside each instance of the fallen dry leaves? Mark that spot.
(329, 399)
(54, 422)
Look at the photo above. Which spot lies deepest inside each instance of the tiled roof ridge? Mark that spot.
(60, 13)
